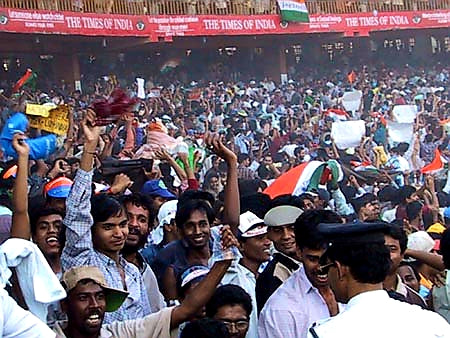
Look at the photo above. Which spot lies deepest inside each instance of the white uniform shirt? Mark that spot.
(373, 315)
(292, 308)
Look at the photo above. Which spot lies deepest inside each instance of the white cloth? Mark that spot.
(292, 308)
(239, 275)
(38, 283)
(18, 323)
(373, 314)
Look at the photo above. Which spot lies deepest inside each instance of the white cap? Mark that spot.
(251, 225)
(282, 215)
(166, 214)
(421, 241)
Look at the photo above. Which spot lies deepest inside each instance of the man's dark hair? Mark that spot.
(305, 228)
(195, 195)
(257, 203)
(368, 263)
(189, 207)
(243, 157)
(413, 210)
(104, 207)
(39, 212)
(397, 233)
(140, 200)
(302, 198)
(361, 201)
(205, 328)
(287, 199)
(229, 294)
(263, 172)
(405, 192)
(445, 248)
(388, 194)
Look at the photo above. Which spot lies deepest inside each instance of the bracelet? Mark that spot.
(91, 152)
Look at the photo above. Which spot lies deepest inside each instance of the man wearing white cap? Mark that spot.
(255, 248)
(165, 231)
(280, 229)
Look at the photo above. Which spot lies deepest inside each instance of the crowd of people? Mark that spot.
(228, 209)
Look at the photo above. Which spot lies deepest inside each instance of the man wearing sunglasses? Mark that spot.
(305, 296)
(358, 262)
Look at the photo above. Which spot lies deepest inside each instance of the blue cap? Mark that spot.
(156, 188)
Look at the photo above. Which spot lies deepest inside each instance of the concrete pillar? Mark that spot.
(282, 57)
(67, 68)
(275, 62)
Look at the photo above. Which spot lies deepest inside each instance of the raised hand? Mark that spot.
(214, 143)
(90, 130)
(120, 184)
(20, 146)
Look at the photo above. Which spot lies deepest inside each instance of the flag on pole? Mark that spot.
(28, 78)
(293, 10)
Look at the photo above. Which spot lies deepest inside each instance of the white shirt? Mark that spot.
(16, 322)
(404, 165)
(292, 308)
(239, 275)
(373, 314)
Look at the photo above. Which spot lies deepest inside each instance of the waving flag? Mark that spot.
(337, 114)
(28, 78)
(435, 165)
(293, 10)
(305, 177)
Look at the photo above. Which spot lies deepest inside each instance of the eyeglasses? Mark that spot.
(239, 325)
(326, 267)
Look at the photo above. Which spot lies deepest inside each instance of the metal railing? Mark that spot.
(221, 7)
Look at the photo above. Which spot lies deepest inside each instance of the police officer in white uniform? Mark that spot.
(358, 261)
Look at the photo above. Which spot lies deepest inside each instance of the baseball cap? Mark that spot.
(251, 225)
(282, 215)
(156, 188)
(114, 297)
(58, 188)
(193, 273)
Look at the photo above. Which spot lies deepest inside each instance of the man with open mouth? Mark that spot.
(305, 296)
(89, 297)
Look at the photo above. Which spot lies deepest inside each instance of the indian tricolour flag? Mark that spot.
(293, 10)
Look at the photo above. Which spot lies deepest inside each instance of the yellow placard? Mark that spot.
(57, 121)
(38, 110)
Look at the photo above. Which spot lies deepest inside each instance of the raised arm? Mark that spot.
(20, 221)
(162, 154)
(232, 205)
(78, 218)
(196, 299)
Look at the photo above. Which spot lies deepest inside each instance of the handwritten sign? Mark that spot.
(57, 121)
(39, 110)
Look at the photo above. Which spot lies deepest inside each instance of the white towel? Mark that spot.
(38, 283)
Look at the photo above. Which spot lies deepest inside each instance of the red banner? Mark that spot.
(155, 27)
